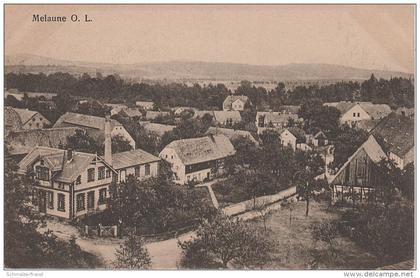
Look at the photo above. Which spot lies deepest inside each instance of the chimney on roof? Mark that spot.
(108, 148)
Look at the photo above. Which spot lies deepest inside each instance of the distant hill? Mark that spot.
(191, 70)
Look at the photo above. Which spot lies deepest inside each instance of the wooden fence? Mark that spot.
(102, 231)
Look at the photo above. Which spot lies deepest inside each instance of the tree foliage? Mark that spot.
(223, 242)
(132, 254)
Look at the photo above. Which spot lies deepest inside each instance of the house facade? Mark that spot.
(359, 177)
(138, 163)
(68, 184)
(273, 120)
(145, 105)
(197, 159)
(235, 103)
(354, 112)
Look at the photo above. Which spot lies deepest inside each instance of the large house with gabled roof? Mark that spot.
(352, 113)
(72, 184)
(18, 119)
(68, 184)
(197, 159)
(93, 125)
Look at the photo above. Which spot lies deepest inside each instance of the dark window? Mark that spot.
(50, 200)
(137, 171)
(60, 202)
(42, 173)
(91, 174)
(102, 196)
(35, 197)
(108, 173)
(91, 199)
(79, 179)
(80, 201)
(147, 169)
(101, 173)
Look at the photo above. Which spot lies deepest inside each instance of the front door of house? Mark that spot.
(42, 201)
(91, 200)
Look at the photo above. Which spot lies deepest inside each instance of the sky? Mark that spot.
(365, 36)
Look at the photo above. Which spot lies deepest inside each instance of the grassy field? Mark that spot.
(296, 249)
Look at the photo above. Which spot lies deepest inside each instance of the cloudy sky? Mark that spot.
(366, 36)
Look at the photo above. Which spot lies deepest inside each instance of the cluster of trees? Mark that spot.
(396, 91)
(27, 247)
(267, 169)
(156, 205)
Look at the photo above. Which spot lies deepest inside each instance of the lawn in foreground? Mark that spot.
(296, 249)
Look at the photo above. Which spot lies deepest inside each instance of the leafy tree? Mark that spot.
(220, 242)
(132, 254)
(120, 144)
(326, 232)
(82, 142)
(319, 117)
(307, 184)
(387, 232)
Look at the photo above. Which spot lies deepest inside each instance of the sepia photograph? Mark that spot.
(209, 137)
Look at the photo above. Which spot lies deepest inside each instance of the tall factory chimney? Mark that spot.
(108, 143)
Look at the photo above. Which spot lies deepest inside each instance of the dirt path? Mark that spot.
(165, 254)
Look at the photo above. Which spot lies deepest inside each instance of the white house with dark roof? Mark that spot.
(138, 163)
(94, 125)
(197, 159)
(17, 119)
(69, 184)
(235, 103)
(354, 112)
(72, 184)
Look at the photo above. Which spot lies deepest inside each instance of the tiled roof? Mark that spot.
(227, 104)
(223, 116)
(376, 111)
(55, 158)
(342, 106)
(132, 112)
(289, 109)
(276, 117)
(75, 119)
(132, 158)
(196, 150)
(23, 141)
(232, 134)
(397, 132)
(158, 129)
(298, 133)
(151, 115)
